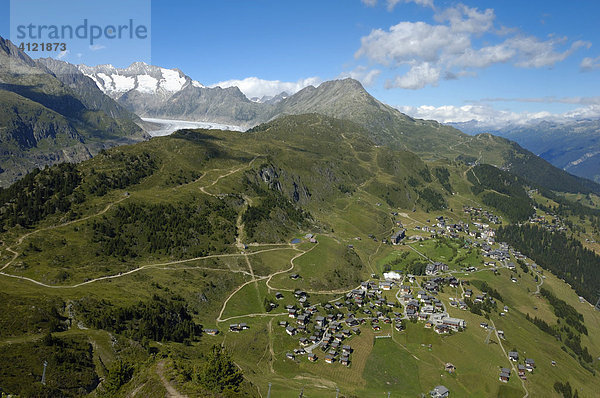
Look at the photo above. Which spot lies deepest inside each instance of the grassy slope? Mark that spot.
(321, 164)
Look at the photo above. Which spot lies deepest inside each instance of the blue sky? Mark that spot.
(494, 61)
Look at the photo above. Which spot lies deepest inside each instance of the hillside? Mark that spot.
(572, 146)
(47, 121)
(141, 254)
(156, 92)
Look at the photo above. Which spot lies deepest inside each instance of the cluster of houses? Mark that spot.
(342, 320)
(553, 225)
(429, 308)
(434, 268)
(522, 369)
(479, 214)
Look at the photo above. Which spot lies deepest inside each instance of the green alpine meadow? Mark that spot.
(349, 199)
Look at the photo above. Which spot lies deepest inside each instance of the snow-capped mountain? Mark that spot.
(270, 99)
(140, 77)
(155, 92)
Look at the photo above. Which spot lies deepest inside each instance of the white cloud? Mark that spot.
(546, 100)
(363, 74)
(425, 3)
(96, 47)
(417, 77)
(589, 64)
(488, 116)
(533, 53)
(62, 54)
(392, 3)
(255, 87)
(448, 49)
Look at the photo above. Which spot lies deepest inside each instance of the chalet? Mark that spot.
(211, 332)
(432, 286)
(513, 356)
(234, 328)
(468, 293)
(304, 341)
(329, 358)
(356, 330)
(294, 276)
(439, 392)
(405, 289)
(376, 328)
(504, 375)
(320, 321)
(302, 320)
(385, 285)
(301, 329)
(450, 368)
(291, 356)
(278, 296)
(529, 364)
(454, 323)
(345, 360)
(442, 329)
(501, 334)
(505, 308)
(299, 351)
(313, 339)
(291, 330)
(312, 357)
(398, 236)
(483, 325)
(428, 309)
(292, 313)
(428, 325)
(521, 370)
(283, 323)
(347, 349)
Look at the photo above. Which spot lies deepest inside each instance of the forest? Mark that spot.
(39, 194)
(563, 256)
(502, 191)
(178, 230)
(158, 319)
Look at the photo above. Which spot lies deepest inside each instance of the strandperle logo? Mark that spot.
(85, 31)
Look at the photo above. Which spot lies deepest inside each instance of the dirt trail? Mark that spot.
(171, 391)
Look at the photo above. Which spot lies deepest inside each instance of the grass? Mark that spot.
(405, 365)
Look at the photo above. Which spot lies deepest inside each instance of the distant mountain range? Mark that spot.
(54, 112)
(573, 146)
(51, 113)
